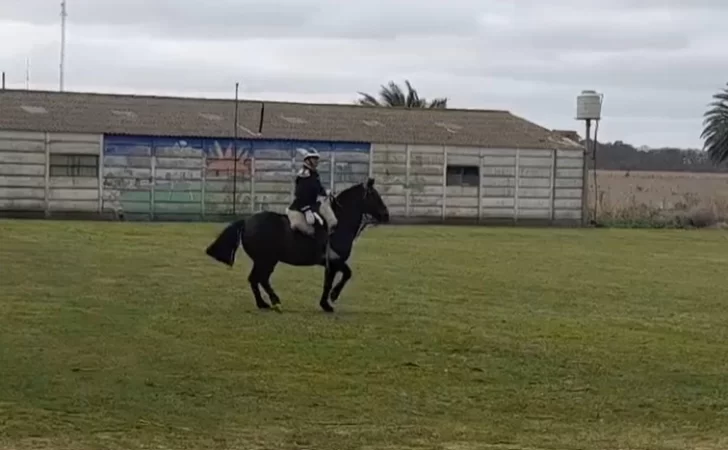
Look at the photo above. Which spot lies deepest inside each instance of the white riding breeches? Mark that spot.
(327, 212)
(298, 222)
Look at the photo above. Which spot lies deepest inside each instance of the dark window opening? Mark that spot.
(463, 175)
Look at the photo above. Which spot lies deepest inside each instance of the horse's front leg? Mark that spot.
(329, 275)
(345, 276)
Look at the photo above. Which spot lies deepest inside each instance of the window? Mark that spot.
(463, 175)
(74, 165)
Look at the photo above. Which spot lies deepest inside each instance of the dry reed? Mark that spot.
(660, 198)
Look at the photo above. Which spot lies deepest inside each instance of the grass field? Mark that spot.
(119, 335)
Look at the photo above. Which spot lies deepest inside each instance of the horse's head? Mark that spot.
(373, 204)
(361, 199)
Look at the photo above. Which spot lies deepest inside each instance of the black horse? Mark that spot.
(268, 239)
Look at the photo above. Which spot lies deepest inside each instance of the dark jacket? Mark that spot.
(308, 189)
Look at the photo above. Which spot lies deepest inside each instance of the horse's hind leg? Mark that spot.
(254, 280)
(264, 273)
(345, 276)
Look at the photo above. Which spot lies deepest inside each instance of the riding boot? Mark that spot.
(322, 242)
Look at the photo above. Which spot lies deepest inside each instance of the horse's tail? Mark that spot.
(224, 247)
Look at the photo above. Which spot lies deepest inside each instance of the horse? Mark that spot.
(267, 238)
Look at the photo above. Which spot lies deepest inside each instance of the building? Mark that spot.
(162, 158)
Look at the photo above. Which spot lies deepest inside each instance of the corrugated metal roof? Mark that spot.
(76, 112)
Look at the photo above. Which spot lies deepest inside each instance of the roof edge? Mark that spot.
(242, 100)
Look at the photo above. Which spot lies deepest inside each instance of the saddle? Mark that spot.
(321, 233)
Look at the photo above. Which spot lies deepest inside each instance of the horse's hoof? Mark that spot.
(277, 308)
(326, 307)
(335, 295)
(263, 306)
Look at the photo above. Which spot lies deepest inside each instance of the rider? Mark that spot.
(309, 191)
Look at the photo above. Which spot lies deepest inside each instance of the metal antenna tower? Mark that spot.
(62, 67)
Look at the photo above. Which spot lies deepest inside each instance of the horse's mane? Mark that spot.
(346, 198)
(346, 193)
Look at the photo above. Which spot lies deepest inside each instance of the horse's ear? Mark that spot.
(370, 183)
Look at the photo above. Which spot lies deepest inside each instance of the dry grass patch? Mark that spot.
(674, 199)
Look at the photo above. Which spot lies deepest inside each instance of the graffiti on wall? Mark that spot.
(161, 176)
(225, 158)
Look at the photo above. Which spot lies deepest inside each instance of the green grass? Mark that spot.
(119, 335)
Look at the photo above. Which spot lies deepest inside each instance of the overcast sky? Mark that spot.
(658, 64)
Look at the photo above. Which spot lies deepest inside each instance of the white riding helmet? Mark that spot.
(308, 153)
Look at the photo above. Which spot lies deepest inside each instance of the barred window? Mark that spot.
(66, 165)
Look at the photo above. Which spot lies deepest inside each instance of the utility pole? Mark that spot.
(64, 14)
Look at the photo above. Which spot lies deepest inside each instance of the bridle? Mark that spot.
(367, 219)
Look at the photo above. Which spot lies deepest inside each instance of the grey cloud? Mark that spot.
(642, 116)
(654, 133)
(625, 118)
(92, 64)
(676, 5)
(142, 12)
(640, 104)
(597, 37)
(373, 19)
(658, 62)
(645, 23)
(593, 30)
(252, 82)
(681, 70)
(386, 20)
(622, 5)
(542, 98)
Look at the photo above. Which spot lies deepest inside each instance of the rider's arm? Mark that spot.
(301, 187)
(321, 190)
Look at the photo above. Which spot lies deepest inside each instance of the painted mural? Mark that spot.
(147, 177)
(221, 160)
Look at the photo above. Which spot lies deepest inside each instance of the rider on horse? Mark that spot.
(309, 196)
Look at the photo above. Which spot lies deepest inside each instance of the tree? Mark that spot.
(392, 96)
(715, 128)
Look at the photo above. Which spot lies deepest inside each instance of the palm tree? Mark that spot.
(392, 96)
(715, 127)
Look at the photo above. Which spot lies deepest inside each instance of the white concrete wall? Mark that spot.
(514, 184)
(22, 171)
(391, 170)
(31, 181)
(159, 179)
(569, 185)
